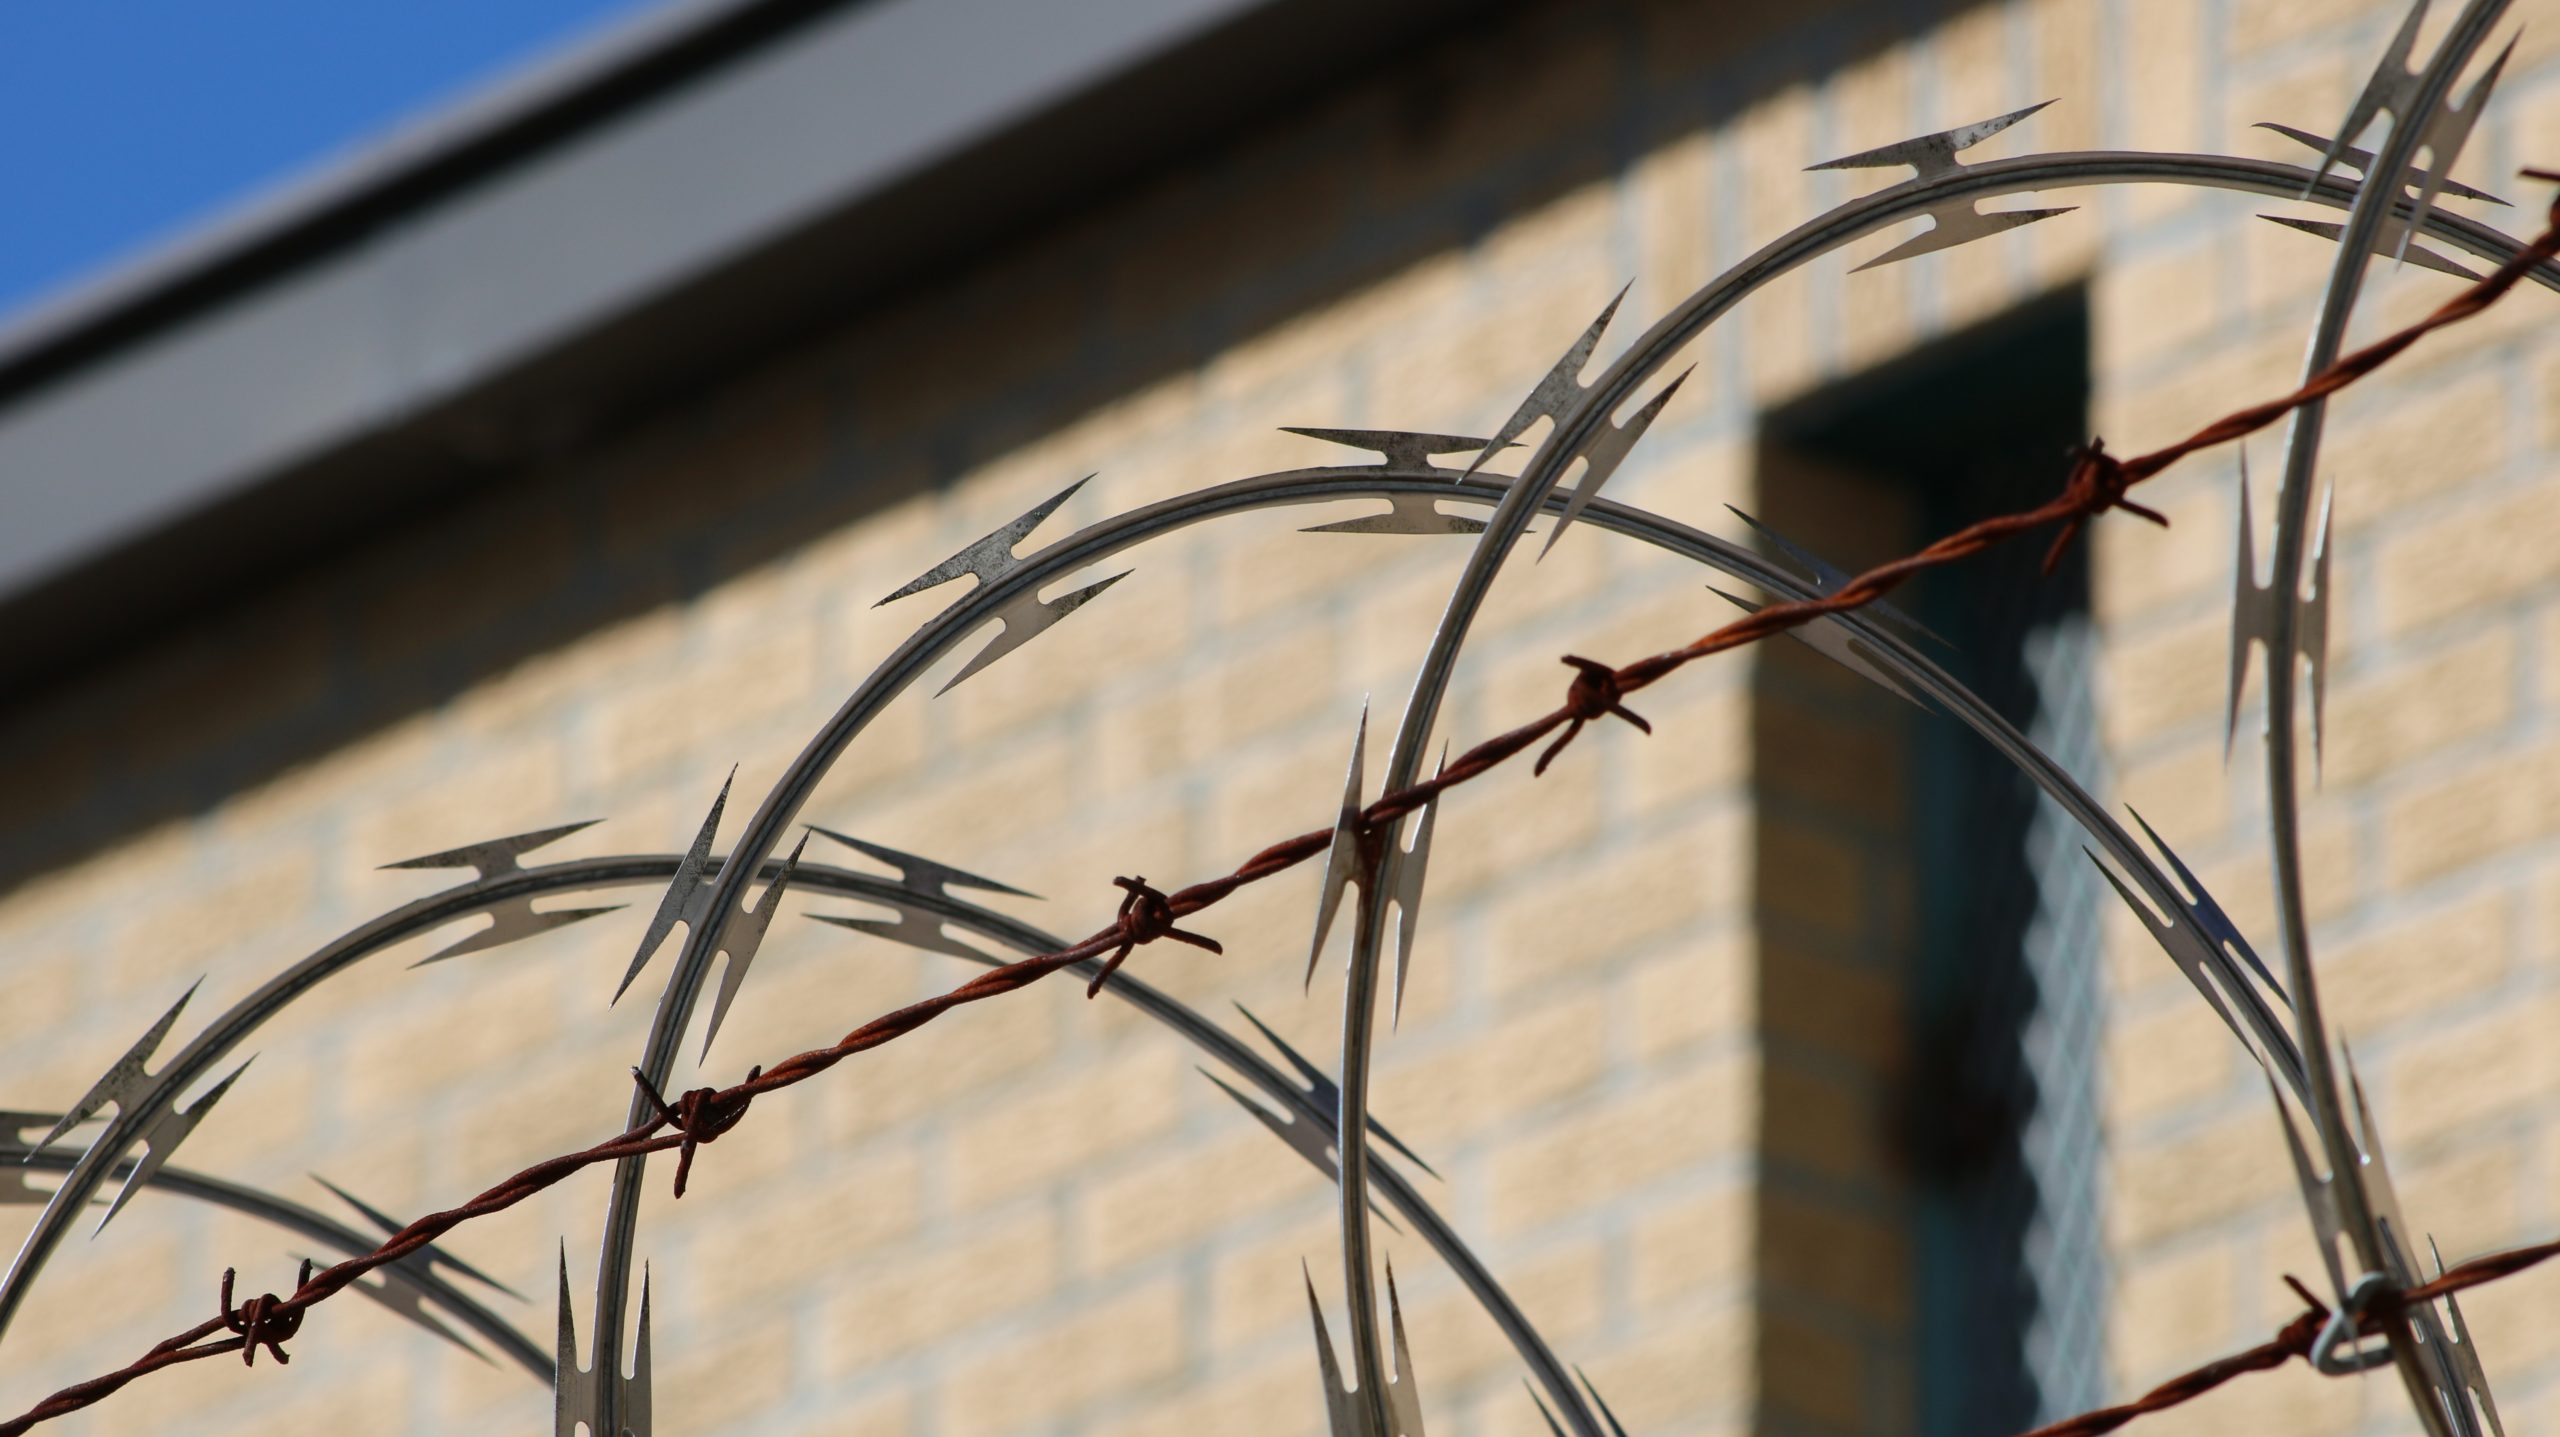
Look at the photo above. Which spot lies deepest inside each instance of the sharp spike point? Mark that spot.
(2417, 254)
(1396, 448)
(1406, 514)
(1835, 641)
(1404, 1399)
(1024, 619)
(1405, 869)
(922, 875)
(126, 1079)
(1345, 863)
(1327, 1096)
(1824, 577)
(742, 937)
(687, 894)
(1606, 452)
(160, 1142)
(1556, 391)
(1592, 1389)
(991, 557)
(496, 855)
(2245, 619)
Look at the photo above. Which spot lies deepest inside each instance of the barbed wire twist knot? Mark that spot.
(701, 1115)
(1145, 916)
(264, 1320)
(1594, 695)
(2097, 484)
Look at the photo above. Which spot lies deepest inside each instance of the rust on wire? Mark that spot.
(264, 1320)
(2098, 482)
(1145, 916)
(701, 1115)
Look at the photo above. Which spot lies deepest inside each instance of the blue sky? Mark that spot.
(123, 122)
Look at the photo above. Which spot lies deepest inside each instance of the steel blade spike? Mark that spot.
(1557, 391)
(992, 557)
(1397, 448)
(1404, 1397)
(2395, 87)
(2361, 161)
(1402, 881)
(744, 935)
(1343, 1417)
(1303, 1138)
(1952, 222)
(125, 1079)
(160, 1141)
(1834, 640)
(2465, 1354)
(577, 1401)
(1353, 857)
(915, 926)
(2253, 619)
(513, 918)
(1825, 578)
(1608, 450)
(688, 898)
(1326, 1096)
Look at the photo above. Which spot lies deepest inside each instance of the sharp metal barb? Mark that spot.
(2395, 87)
(1556, 391)
(2465, 1355)
(1396, 448)
(2205, 913)
(1307, 1140)
(577, 1401)
(2442, 1365)
(2391, 87)
(1930, 154)
(1825, 577)
(2184, 937)
(1954, 222)
(1552, 1428)
(921, 875)
(1405, 867)
(1406, 514)
(741, 939)
(992, 557)
(1328, 1096)
(509, 921)
(434, 1256)
(2253, 619)
(913, 927)
(1343, 1417)
(1025, 619)
(2318, 1198)
(2417, 254)
(160, 1141)
(497, 855)
(1592, 1390)
(1351, 859)
(125, 1080)
(1404, 1398)
(1606, 452)
(688, 897)
(1835, 641)
(2361, 161)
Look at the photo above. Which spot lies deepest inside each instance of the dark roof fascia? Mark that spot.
(533, 269)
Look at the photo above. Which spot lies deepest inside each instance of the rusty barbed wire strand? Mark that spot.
(2097, 483)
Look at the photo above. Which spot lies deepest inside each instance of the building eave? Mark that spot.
(676, 198)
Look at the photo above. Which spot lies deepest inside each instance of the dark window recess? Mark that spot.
(1995, 1121)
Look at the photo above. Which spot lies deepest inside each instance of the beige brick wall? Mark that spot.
(1033, 1218)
